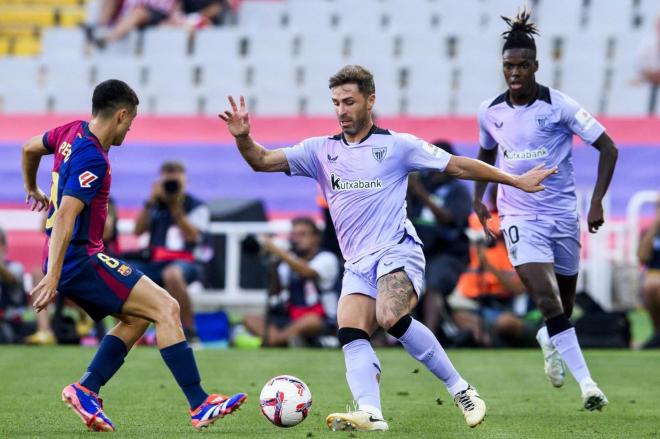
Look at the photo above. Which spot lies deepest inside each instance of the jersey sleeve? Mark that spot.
(85, 177)
(420, 155)
(52, 138)
(486, 141)
(302, 158)
(580, 122)
(327, 267)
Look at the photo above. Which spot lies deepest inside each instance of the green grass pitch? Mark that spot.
(143, 400)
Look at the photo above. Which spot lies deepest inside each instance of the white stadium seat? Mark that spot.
(261, 15)
(559, 16)
(63, 43)
(165, 41)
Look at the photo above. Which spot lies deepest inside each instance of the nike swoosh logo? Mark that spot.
(372, 419)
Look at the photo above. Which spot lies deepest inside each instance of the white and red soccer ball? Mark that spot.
(285, 401)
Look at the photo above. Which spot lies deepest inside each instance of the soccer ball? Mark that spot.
(285, 401)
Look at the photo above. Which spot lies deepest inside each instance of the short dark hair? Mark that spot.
(306, 221)
(172, 166)
(111, 95)
(354, 74)
(521, 32)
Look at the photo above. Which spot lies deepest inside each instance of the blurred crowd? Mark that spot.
(117, 18)
(473, 296)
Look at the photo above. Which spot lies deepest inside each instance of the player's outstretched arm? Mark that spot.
(60, 236)
(606, 163)
(258, 157)
(32, 152)
(471, 169)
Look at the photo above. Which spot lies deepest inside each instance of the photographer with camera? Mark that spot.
(177, 224)
(303, 289)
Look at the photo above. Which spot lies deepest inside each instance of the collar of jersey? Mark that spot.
(371, 131)
(542, 93)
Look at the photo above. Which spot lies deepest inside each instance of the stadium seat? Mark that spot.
(617, 16)
(369, 48)
(492, 10)
(260, 15)
(27, 46)
(627, 95)
(367, 16)
(583, 69)
(269, 47)
(314, 46)
(309, 16)
(218, 44)
(176, 102)
(560, 16)
(71, 99)
(467, 19)
(27, 100)
(69, 16)
(428, 92)
(126, 69)
(165, 41)
(39, 16)
(62, 43)
(419, 16)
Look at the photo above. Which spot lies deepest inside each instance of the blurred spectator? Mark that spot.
(649, 255)
(12, 296)
(649, 64)
(439, 208)
(110, 231)
(177, 224)
(303, 288)
(486, 296)
(329, 236)
(133, 14)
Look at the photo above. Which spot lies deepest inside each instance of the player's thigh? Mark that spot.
(357, 310)
(396, 298)
(151, 302)
(541, 284)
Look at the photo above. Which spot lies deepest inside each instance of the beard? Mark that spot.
(358, 124)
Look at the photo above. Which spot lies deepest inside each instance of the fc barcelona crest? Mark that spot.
(379, 153)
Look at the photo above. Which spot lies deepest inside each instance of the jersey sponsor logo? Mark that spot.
(585, 119)
(86, 178)
(339, 185)
(379, 153)
(526, 154)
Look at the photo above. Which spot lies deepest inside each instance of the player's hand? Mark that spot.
(238, 120)
(530, 180)
(484, 217)
(595, 217)
(44, 293)
(36, 199)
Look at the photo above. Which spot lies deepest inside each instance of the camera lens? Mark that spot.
(171, 186)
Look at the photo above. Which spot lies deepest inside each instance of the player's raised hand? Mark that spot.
(238, 119)
(44, 293)
(36, 199)
(531, 180)
(484, 217)
(595, 217)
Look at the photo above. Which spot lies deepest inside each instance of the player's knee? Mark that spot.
(168, 308)
(386, 318)
(549, 305)
(172, 273)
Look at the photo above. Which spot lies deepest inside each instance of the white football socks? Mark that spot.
(363, 375)
(567, 345)
(421, 344)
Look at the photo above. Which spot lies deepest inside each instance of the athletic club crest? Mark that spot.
(541, 121)
(379, 153)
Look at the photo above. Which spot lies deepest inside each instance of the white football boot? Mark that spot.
(358, 420)
(553, 364)
(592, 396)
(472, 406)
